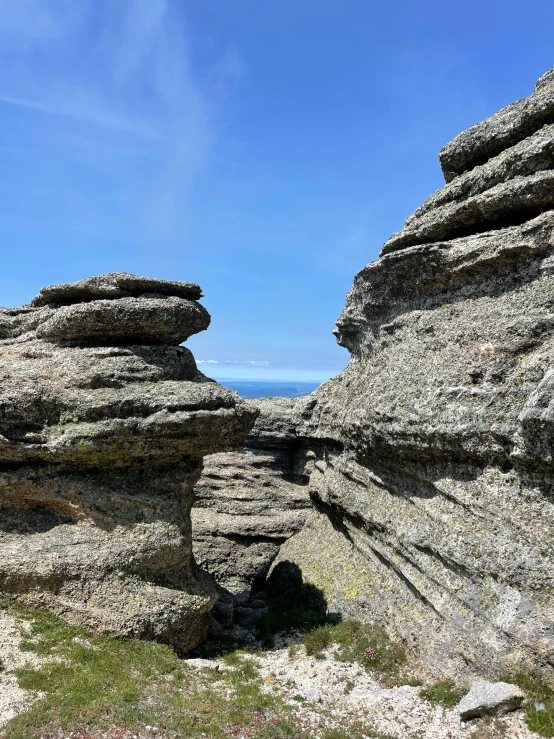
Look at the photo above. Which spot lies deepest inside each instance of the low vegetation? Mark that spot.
(443, 693)
(90, 684)
(300, 609)
(124, 687)
(539, 712)
(367, 644)
(352, 733)
(91, 687)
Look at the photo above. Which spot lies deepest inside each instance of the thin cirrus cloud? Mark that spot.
(130, 116)
(228, 361)
(90, 113)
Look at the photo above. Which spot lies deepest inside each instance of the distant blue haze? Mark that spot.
(267, 389)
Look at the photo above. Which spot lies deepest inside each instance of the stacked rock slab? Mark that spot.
(104, 421)
(435, 486)
(249, 503)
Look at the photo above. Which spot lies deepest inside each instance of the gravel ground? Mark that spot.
(327, 694)
(13, 700)
(323, 693)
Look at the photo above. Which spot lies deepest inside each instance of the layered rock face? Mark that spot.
(434, 479)
(104, 421)
(249, 503)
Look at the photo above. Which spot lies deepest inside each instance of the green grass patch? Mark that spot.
(443, 693)
(292, 651)
(317, 640)
(96, 683)
(368, 644)
(281, 618)
(537, 692)
(293, 605)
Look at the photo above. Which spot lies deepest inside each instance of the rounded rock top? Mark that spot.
(546, 79)
(144, 320)
(113, 285)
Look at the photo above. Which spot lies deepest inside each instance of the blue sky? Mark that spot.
(263, 148)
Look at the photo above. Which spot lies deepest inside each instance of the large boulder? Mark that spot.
(104, 421)
(490, 699)
(249, 503)
(434, 477)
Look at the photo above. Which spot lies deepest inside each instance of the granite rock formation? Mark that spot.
(249, 503)
(434, 478)
(104, 421)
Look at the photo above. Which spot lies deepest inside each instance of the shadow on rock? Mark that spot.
(282, 606)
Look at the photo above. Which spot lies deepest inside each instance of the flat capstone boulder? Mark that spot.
(113, 285)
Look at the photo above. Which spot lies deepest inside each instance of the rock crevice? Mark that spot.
(249, 503)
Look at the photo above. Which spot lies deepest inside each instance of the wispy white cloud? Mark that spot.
(93, 115)
(207, 361)
(33, 20)
(121, 78)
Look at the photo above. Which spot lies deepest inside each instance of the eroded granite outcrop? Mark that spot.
(434, 477)
(104, 421)
(249, 503)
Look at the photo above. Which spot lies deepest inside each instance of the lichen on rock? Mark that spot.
(433, 483)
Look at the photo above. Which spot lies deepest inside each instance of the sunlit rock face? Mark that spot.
(434, 477)
(104, 421)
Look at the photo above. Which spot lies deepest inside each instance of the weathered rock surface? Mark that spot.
(104, 421)
(113, 285)
(147, 320)
(434, 478)
(510, 125)
(508, 202)
(249, 503)
(498, 175)
(490, 699)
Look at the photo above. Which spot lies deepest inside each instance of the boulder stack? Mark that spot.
(434, 477)
(498, 174)
(104, 421)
